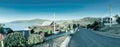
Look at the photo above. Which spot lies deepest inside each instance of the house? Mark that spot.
(7, 30)
(48, 24)
(106, 20)
(17, 28)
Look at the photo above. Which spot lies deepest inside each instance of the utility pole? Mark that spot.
(54, 21)
(54, 30)
(110, 11)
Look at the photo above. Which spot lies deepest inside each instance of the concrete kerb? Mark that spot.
(66, 42)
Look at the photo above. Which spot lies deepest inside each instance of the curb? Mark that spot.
(66, 42)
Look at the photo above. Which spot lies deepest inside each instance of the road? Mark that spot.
(88, 38)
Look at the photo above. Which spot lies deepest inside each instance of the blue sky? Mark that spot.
(11, 10)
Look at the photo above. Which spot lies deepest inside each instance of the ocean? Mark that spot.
(18, 26)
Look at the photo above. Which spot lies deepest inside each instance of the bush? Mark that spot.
(37, 30)
(64, 28)
(34, 39)
(47, 31)
(15, 39)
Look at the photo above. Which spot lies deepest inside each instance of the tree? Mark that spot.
(69, 26)
(15, 39)
(118, 20)
(88, 26)
(1, 28)
(74, 26)
(95, 25)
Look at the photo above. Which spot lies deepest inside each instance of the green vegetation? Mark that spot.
(63, 29)
(66, 27)
(94, 26)
(46, 30)
(15, 39)
(34, 39)
(113, 31)
(1, 27)
(88, 20)
(37, 29)
(118, 19)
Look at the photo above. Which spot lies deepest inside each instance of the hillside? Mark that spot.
(30, 21)
(64, 22)
(87, 20)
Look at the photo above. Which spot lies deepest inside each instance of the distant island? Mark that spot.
(30, 21)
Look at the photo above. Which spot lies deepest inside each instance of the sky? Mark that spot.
(11, 10)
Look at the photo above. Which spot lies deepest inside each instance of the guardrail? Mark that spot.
(55, 36)
(50, 42)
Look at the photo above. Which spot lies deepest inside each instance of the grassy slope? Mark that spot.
(87, 20)
(113, 31)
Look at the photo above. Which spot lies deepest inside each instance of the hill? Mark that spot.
(30, 21)
(87, 20)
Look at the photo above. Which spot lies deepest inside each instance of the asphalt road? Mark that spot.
(88, 38)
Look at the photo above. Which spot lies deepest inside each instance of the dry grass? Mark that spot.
(113, 31)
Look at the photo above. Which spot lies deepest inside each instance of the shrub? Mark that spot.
(64, 28)
(47, 31)
(34, 39)
(37, 30)
(15, 39)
